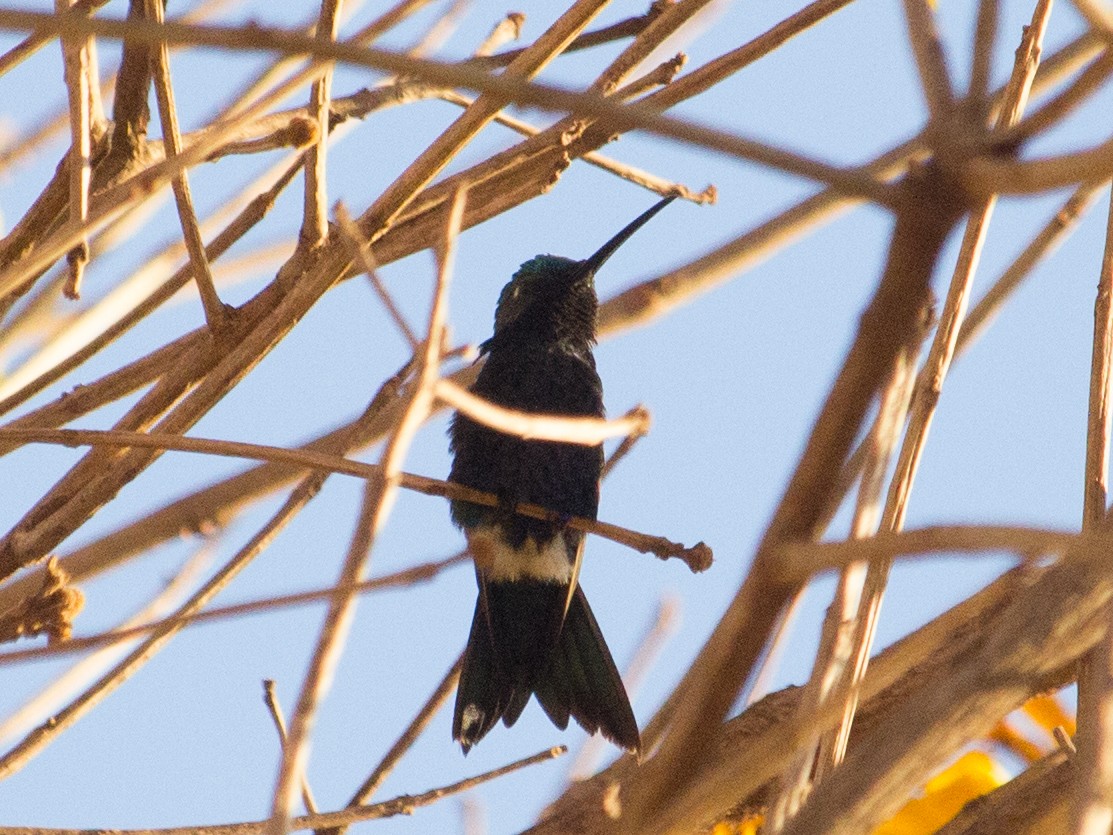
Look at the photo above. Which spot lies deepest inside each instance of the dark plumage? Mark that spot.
(533, 631)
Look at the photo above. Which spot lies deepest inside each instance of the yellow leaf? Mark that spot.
(750, 826)
(971, 776)
(1048, 713)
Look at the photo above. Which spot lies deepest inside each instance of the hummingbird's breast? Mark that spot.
(558, 476)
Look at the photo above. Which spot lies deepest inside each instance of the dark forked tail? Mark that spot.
(577, 679)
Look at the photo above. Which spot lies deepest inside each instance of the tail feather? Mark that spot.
(582, 680)
(484, 693)
(519, 698)
(578, 678)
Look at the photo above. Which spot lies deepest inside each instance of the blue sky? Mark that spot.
(733, 380)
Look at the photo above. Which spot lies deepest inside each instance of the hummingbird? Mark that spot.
(533, 632)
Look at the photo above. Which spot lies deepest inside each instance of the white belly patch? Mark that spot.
(498, 561)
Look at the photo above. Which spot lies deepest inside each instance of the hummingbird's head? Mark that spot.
(551, 299)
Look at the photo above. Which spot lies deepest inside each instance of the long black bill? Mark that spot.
(608, 249)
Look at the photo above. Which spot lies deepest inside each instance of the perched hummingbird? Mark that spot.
(533, 631)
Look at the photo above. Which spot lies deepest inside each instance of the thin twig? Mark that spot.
(32, 43)
(930, 61)
(569, 430)
(172, 140)
(1098, 15)
(404, 742)
(800, 560)
(270, 699)
(697, 557)
(377, 503)
(1058, 107)
(861, 624)
(621, 451)
(992, 175)
(652, 182)
(981, 65)
(510, 86)
(1045, 242)
(713, 681)
(423, 572)
(314, 227)
(64, 686)
(506, 30)
(361, 252)
(75, 54)
(404, 805)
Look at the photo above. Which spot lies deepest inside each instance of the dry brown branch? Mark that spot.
(1093, 803)
(930, 61)
(805, 559)
(270, 699)
(74, 644)
(1097, 15)
(507, 87)
(1036, 800)
(1059, 107)
(33, 43)
(405, 805)
(314, 228)
(1045, 627)
(42, 736)
(378, 500)
(697, 557)
(986, 175)
(932, 204)
(662, 75)
(80, 79)
(506, 30)
(861, 615)
(172, 141)
(981, 63)
(49, 612)
(747, 752)
(946, 686)
(401, 745)
(583, 431)
(62, 689)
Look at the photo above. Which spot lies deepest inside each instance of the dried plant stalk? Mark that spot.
(783, 756)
